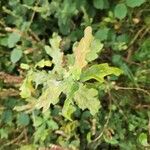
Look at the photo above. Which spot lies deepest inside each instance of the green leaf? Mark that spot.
(143, 139)
(16, 54)
(28, 147)
(134, 3)
(96, 47)
(98, 72)
(112, 140)
(52, 124)
(99, 4)
(3, 133)
(120, 11)
(7, 116)
(28, 2)
(41, 133)
(143, 53)
(102, 34)
(23, 119)
(37, 121)
(4, 41)
(147, 20)
(87, 98)
(13, 39)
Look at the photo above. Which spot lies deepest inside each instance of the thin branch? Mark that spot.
(132, 88)
(2, 23)
(8, 92)
(108, 118)
(145, 32)
(137, 35)
(16, 139)
(133, 41)
(10, 79)
(32, 16)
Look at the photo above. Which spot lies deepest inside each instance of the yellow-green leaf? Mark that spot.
(69, 107)
(43, 63)
(98, 72)
(55, 52)
(96, 47)
(49, 96)
(26, 87)
(87, 98)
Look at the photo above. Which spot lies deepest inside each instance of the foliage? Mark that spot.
(74, 74)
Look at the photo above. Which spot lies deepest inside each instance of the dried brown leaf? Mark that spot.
(83, 48)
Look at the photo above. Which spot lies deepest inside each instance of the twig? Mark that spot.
(108, 118)
(10, 79)
(136, 35)
(10, 12)
(139, 106)
(2, 24)
(32, 16)
(34, 35)
(93, 126)
(145, 32)
(16, 139)
(60, 132)
(22, 34)
(8, 92)
(55, 147)
(132, 88)
(132, 42)
(31, 37)
(121, 111)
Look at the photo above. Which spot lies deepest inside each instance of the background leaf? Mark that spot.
(134, 3)
(143, 139)
(102, 33)
(16, 55)
(23, 119)
(13, 39)
(120, 11)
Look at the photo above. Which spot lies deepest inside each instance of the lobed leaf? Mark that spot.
(49, 96)
(87, 98)
(96, 47)
(83, 48)
(55, 52)
(69, 107)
